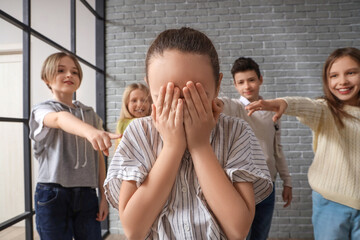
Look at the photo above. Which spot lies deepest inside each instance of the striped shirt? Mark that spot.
(186, 214)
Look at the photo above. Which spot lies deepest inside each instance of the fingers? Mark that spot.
(106, 152)
(216, 108)
(153, 112)
(100, 216)
(103, 210)
(101, 140)
(174, 102)
(255, 106)
(197, 100)
(179, 113)
(160, 101)
(114, 135)
(204, 98)
(251, 112)
(166, 105)
(287, 201)
(167, 102)
(190, 107)
(287, 196)
(187, 117)
(276, 117)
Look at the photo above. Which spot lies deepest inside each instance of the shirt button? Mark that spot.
(183, 189)
(187, 228)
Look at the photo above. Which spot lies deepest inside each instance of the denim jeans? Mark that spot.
(334, 221)
(66, 213)
(262, 221)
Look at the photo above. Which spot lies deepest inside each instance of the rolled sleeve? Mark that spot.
(246, 163)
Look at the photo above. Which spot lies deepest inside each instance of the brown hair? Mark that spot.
(243, 64)
(335, 104)
(125, 113)
(186, 40)
(50, 66)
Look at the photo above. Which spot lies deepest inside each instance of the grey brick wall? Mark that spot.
(290, 39)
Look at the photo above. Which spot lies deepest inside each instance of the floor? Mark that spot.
(18, 233)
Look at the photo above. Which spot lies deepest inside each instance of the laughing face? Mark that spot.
(139, 105)
(344, 80)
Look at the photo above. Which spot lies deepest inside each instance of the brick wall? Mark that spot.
(290, 39)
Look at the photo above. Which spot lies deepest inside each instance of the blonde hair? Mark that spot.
(125, 113)
(50, 66)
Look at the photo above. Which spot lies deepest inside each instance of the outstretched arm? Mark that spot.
(139, 207)
(233, 205)
(277, 105)
(99, 139)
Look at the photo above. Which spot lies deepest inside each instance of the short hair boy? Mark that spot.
(247, 80)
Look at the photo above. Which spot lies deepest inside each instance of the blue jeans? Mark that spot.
(66, 213)
(334, 221)
(262, 221)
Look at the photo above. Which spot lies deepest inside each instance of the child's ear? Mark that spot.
(261, 79)
(218, 86)
(145, 80)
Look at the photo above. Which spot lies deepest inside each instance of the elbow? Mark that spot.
(240, 228)
(133, 231)
(238, 234)
(134, 234)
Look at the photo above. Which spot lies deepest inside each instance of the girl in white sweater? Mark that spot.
(334, 119)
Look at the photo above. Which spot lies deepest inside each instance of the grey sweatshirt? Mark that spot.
(64, 158)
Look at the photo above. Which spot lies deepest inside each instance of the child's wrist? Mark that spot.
(200, 148)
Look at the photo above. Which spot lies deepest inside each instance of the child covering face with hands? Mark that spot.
(186, 172)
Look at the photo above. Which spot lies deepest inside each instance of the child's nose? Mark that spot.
(343, 79)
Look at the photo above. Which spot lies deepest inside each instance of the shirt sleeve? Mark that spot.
(38, 131)
(246, 162)
(308, 111)
(132, 161)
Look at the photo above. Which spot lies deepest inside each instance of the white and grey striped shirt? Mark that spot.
(186, 214)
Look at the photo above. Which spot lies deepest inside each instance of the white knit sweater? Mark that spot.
(335, 171)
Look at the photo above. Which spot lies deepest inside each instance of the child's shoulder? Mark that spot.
(48, 104)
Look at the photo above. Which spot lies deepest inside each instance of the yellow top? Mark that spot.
(120, 129)
(335, 170)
